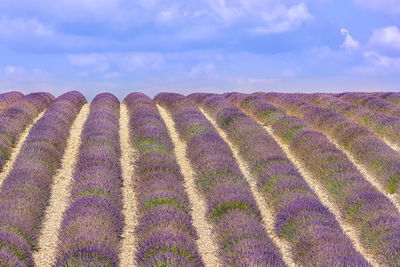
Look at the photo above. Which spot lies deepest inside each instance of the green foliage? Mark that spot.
(77, 260)
(365, 119)
(175, 250)
(5, 154)
(228, 120)
(15, 250)
(195, 129)
(14, 229)
(247, 101)
(353, 210)
(334, 188)
(205, 179)
(270, 115)
(8, 137)
(156, 148)
(150, 204)
(289, 230)
(291, 133)
(96, 191)
(223, 208)
(379, 166)
(392, 185)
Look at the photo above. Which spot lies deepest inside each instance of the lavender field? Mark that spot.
(262, 179)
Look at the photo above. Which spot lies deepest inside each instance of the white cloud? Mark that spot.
(113, 65)
(202, 69)
(381, 61)
(263, 16)
(386, 6)
(349, 42)
(291, 72)
(386, 39)
(93, 60)
(145, 61)
(17, 73)
(15, 27)
(10, 69)
(284, 19)
(167, 15)
(378, 56)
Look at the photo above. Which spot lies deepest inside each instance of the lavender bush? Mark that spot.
(93, 222)
(8, 98)
(15, 119)
(385, 126)
(301, 219)
(26, 190)
(391, 97)
(224, 188)
(165, 231)
(360, 204)
(363, 145)
(373, 103)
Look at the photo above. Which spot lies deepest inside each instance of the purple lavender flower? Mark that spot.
(359, 202)
(221, 182)
(25, 191)
(165, 230)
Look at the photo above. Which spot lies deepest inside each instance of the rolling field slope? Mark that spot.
(263, 179)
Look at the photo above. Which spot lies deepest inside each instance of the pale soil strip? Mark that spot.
(325, 199)
(266, 211)
(15, 151)
(206, 242)
(393, 146)
(129, 209)
(394, 198)
(60, 193)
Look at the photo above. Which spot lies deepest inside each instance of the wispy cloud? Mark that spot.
(381, 61)
(284, 19)
(202, 69)
(273, 15)
(145, 61)
(94, 61)
(18, 27)
(349, 42)
(386, 40)
(203, 44)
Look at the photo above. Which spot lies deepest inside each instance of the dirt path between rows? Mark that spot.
(394, 198)
(267, 213)
(60, 193)
(15, 151)
(323, 195)
(206, 243)
(129, 209)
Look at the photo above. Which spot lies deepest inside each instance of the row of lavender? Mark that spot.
(360, 204)
(9, 98)
(353, 127)
(383, 125)
(372, 102)
(16, 118)
(314, 235)
(231, 209)
(364, 145)
(166, 236)
(92, 224)
(391, 97)
(379, 102)
(26, 190)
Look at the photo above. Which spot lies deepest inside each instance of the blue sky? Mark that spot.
(121, 46)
